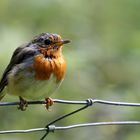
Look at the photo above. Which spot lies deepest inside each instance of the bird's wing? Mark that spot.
(20, 54)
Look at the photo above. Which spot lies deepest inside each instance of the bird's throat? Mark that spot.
(45, 67)
(51, 53)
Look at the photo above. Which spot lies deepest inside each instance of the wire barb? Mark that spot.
(51, 128)
(89, 102)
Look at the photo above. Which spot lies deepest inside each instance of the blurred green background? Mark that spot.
(103, 62)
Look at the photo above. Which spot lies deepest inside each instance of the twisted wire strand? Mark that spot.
(94, 101)
(52, 128)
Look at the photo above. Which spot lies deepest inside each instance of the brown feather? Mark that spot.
(45, 67)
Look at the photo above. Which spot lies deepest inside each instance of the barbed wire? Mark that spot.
(51, 127)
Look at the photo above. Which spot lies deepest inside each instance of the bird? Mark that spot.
(36, 69)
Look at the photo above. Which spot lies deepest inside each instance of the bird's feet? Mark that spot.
(22, 104)
(49, 102)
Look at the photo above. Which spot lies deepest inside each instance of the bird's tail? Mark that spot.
(2, 93)
(3, 83)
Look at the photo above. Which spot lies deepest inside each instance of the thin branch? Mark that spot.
(52, 128)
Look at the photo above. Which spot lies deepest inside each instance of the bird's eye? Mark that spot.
(47, 42)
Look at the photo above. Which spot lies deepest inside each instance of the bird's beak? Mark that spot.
(60, 43)
(65, 41)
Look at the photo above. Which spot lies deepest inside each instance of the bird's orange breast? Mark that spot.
(45, 67)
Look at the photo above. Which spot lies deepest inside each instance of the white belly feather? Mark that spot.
(24, 84)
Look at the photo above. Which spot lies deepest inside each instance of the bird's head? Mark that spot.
(50, 44)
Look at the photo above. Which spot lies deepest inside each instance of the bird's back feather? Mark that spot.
(18, 56)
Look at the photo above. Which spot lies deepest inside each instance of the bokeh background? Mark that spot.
(103, 63)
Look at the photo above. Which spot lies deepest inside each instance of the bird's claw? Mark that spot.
(22, 104)
(49, 102)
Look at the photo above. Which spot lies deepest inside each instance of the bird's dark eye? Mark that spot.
(47, 42)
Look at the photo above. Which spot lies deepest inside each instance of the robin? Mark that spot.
(36, 69)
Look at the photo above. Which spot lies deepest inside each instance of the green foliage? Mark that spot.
(103, 62)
